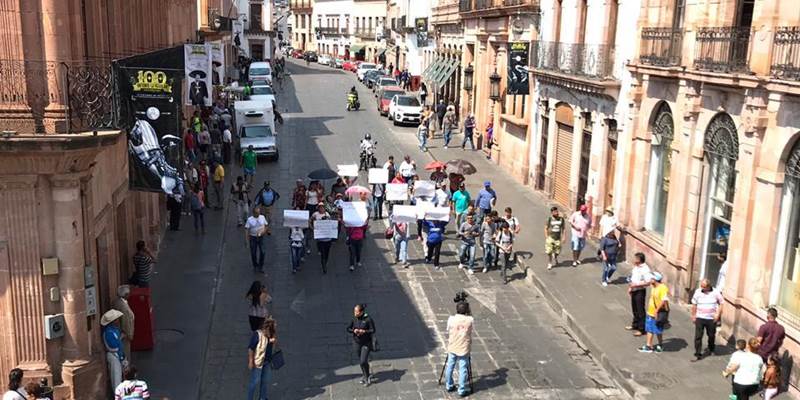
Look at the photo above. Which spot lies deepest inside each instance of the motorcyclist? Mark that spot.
(366, 144)
(352, 97)
(367, 152)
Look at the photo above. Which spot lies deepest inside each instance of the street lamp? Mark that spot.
(468, 72)
(494, 88)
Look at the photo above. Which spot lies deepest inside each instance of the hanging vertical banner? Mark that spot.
(150, 101)
(421, 28)
(197, 61)
(217, 63)
(517, 68)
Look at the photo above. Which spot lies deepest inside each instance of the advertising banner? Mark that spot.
(295, 218)
(326, 229)
(354, 213)
(396, 192)
(197, 62)
(517, 68)
(421, 28)
(149, 109)
(217, 63)
(378, 175)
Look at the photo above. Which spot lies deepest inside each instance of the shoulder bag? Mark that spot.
(662, 315)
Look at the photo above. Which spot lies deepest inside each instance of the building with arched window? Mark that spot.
(712, 166)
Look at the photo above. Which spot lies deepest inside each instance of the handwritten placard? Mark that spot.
(347, 170)
(424, 189)
(378, 175)
(295, 218)
(326, 229)
(438, 214)
(396, 192)
(423, 207)
(401, 213)
(354, 213)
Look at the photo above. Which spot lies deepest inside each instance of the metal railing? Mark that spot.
(785, 63)
(332, 31)
(588, 60)
(661, 47)
(365, 33)
(723, 49)
(36, 96)
(477, 5)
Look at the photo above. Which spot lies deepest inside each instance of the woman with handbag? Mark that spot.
(259, 297)
(363, 330)
(259, 359)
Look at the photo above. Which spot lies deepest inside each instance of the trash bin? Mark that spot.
(143, 334)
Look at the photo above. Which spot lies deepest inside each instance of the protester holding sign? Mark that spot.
(400, 239)
(355, 241)
(434, 242)
(320, 217)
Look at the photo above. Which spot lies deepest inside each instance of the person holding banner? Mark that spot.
(378, 194)
(355, 242)
(323, 244)
(434, 242)
(296, 239)
(400, 239)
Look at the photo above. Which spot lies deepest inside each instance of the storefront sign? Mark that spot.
(517, 68)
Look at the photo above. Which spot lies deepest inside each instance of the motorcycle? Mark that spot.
(367, 159)
(353, 103)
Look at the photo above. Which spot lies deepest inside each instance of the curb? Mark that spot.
(583, 338)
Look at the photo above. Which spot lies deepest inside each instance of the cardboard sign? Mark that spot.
(354, 213)
(326, 229)
(396, 192)
(423, 207)
(378, 175)
(438, 214)
(401, 213)
(424, 189)
(295, 218)
(347, 170)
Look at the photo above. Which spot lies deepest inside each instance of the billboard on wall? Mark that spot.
(421, 28)
(517, 68)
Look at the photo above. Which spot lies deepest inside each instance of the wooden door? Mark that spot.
(563, 161)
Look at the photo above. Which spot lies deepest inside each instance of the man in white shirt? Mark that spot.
(440, 197)
(637, 289)
(706, 311)
(459, 346)
(407, 169)
(255, 228)
(227, 141)
(608, 222)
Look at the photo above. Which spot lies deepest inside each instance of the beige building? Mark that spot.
(715, 151)
(368, 30)
(64, 189)
(488, 28)
(302, 25)
(442, 69)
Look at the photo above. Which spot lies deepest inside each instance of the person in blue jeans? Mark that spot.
(355, 241)
(459, 346)
(400, 239)
(609, 247)
(254, 230)
(435, 230)
(259, 358)
(468, 231)
(296, 246)
(486, 200)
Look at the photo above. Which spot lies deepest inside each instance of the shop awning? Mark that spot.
(356, 48)
(426, 75)
(448, 67)
(382, 51)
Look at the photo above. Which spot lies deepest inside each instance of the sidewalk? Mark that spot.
(596, 314)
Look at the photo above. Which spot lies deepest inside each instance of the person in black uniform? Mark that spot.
(362, 328)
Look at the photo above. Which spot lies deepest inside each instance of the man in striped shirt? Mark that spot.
(131, 388)
(143, 262)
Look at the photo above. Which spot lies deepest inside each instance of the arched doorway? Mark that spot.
(563, 155)
(663, 131)
(787, 249)
(721, 147)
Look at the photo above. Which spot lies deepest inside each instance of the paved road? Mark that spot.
(521, 350)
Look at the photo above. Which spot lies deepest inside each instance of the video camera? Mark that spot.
(461, 302)
(461, 297)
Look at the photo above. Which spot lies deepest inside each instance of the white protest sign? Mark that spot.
(347, 170)
(401, 213)
(295, 218)
(424, 189)
(378, 175)
(438, 214)
(396, 192)
(326, 229)
(423, 207)
(354, 213)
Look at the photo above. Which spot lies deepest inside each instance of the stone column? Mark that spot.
(575, 162)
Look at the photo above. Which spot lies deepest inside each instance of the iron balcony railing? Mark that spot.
(365, 33)
(332, 31)
(723, 49)
(661, 47)
(588, 60)
(477, 5)
(786, 53)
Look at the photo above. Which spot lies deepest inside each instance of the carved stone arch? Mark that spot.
(721, 138)
(662, 124)
(793, 161)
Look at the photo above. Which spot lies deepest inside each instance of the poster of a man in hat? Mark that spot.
(198, 91)
(197, 60)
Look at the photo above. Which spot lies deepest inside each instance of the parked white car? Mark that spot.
(405, 110)
(262, 93)
(363, 68)
(324, 60)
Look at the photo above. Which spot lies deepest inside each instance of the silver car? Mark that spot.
(262, 139)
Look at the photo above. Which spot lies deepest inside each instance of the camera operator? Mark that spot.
(459, 344)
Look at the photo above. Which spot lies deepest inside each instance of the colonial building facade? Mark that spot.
(711, 176)
(442, 68)
(368, 30)
(64, 190)
(303, 24)
(332, 21)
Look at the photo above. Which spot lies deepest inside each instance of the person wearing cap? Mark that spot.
(608, 222)
(487, 198)
(112, 340)
(128, 318)
(659, 300)
(581, 222)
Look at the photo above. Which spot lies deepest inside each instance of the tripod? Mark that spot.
(469, 371)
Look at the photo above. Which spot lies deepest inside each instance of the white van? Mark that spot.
(363, 68)
(255, 126)
(260, 71)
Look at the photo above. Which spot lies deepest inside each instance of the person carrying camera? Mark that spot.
(459, 345)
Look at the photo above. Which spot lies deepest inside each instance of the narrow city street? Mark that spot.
(520, 348)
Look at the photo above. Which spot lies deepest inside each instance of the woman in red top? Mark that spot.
(189, 145)
(355, 241)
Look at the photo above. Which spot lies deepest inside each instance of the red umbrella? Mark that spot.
(435, 164)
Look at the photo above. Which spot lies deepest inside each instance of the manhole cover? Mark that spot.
(169, 335)
(655, 380)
